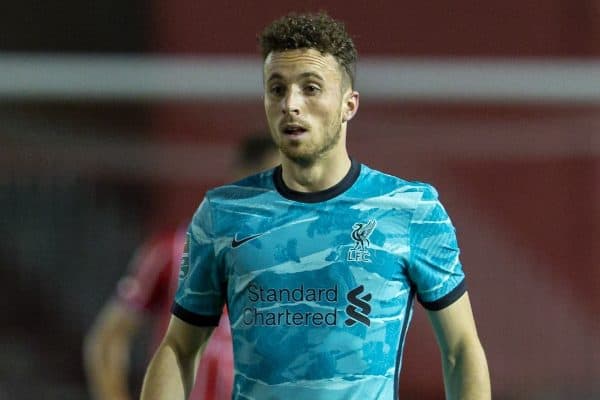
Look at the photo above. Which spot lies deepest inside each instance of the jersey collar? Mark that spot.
(317, 197)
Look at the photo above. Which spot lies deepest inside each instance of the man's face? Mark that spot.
(306, 103)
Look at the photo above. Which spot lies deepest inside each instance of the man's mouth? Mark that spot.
(293, 130)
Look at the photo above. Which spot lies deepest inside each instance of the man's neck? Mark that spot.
(320, 175)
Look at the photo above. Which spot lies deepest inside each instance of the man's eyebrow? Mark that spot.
(275, 76)
(278, 76)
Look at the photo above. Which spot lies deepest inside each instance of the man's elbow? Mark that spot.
(467, 350)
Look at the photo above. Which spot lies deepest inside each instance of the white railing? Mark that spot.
(147, 78)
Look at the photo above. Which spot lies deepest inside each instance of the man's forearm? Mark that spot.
(169, 376)
(107, 373)
(466, 374)
(111, 382)
(107, 351)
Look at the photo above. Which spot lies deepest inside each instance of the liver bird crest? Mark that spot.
(361, 232)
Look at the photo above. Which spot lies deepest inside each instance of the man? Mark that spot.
(149, 289)
(319, 259)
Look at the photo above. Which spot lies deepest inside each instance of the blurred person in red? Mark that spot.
(148, 290)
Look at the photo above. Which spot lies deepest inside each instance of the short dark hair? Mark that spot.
(311, 31)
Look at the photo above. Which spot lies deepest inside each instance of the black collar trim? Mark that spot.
(317, 197)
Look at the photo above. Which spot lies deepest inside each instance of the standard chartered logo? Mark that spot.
(302, 306)
(283, 301)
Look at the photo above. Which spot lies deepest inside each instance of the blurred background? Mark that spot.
(116, 116)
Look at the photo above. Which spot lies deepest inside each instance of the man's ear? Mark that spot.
(350, 108)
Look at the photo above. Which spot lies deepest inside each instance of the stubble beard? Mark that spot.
(308, 156)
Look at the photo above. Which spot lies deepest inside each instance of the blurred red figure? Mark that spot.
(148, 289)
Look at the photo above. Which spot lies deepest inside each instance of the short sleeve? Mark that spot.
(434, 268)
(199, 299)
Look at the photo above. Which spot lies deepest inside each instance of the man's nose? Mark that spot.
(291, 102)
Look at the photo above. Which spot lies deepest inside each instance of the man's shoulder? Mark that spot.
(387, 183)
(230, 203)
(245, 188)
(226, 207)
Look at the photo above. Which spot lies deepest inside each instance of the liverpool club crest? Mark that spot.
(360, 234)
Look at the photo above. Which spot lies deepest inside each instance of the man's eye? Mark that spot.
(312, 89)
(276, 90)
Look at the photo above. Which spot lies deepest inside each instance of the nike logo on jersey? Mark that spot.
(236, 243)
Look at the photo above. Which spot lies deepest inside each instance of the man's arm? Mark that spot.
(172, 371)
(107, 351)
(466, 375)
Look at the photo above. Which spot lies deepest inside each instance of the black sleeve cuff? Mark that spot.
(193, 318)
(448, 299)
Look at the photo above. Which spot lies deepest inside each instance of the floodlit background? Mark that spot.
(115, 116)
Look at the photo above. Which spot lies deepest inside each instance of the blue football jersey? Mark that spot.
(319, 286)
